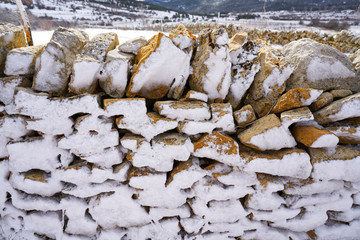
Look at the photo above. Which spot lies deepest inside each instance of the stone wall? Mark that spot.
(177, 137)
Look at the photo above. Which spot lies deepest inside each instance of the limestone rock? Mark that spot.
(267, 133)
(53, 65)
(314, 137)
(269, 82)
(88, 62)
(319, 66)
(114, 73)
(245, 64)
(244, 116)
(194, 95)
(344, 108)
(181, 110)
(296, 115)
(8, 86)
(11, 36)
(340, 93)
(290, 162)
(183, 38)
(325, 99)
(341, 164)
(21, 61)
(347, 133)
(222, 119)
(297, 97)
(219, 147)
(133, 46)
(160, 69)
(211, 64)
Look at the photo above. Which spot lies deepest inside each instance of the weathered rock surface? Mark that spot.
(269, 82)
(319, 66)
(113, 76)
(88, 62)
(245, 64)
(21, 61)
(325, 99)
(160, 69)
(244, 116)
(133, 46)
(348, 107)
(294, 98)
(219, 147)
(341, 164)
(314, 137)
(181, 110)
(53, 66)
(211, 64)
(11, 36)
(347, 133)
(267, 133)
(296, 115)
(340, 93)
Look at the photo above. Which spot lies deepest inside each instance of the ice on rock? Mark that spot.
(161, 69)
(118, 209)
(343, 164)
(36, 153)
(21, 61)
(219, 147)
(48, 223)
(87, 64)
(222, 119)
(181, 110)
(161, 153)
(212, 64)
(159, 213)
(267, 133)
(8, 86)
(114, 73)
(304, 222)
(289, 163)
(185, 174)
(141, 178)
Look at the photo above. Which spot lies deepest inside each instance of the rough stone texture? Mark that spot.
(348, 107)
(21, 61)
(258, 135)
(309, 58)
(308, 135)
(113, 76)
(340, 93)
(269, 82)
(180, 110)
(133, 46)
(245, 64)
(11, 36)
(53, 66)
(294, 98)
(325, 99)
(88, 62)
(160, 69)
(296, 115)
(244, 116)
(212, 50)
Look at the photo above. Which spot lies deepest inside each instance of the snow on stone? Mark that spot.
(148, 180)
(36, 153)
(160, 153)
(158, 213)
(194, 95)
(314, 94)
(107, 158)
(276, 78)
(346, 134)
(162, 70)
(118, 209)
(314, 187)
(225, 211)
(163, 197)
(343, 203)
(29, 202)
(338, 231)
(346, 216)
(238, 178)
(320, 69)
(299, 115)
(192, 224)
(276, 215)
(294, 164)
(219, 147)
(133, 45)
(7, 88)
(90, 190)
(264, 201)
(327, 140)
(49, 224)
(4, 185)
(190, 110)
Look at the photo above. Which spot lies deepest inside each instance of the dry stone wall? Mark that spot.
(178, 137)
